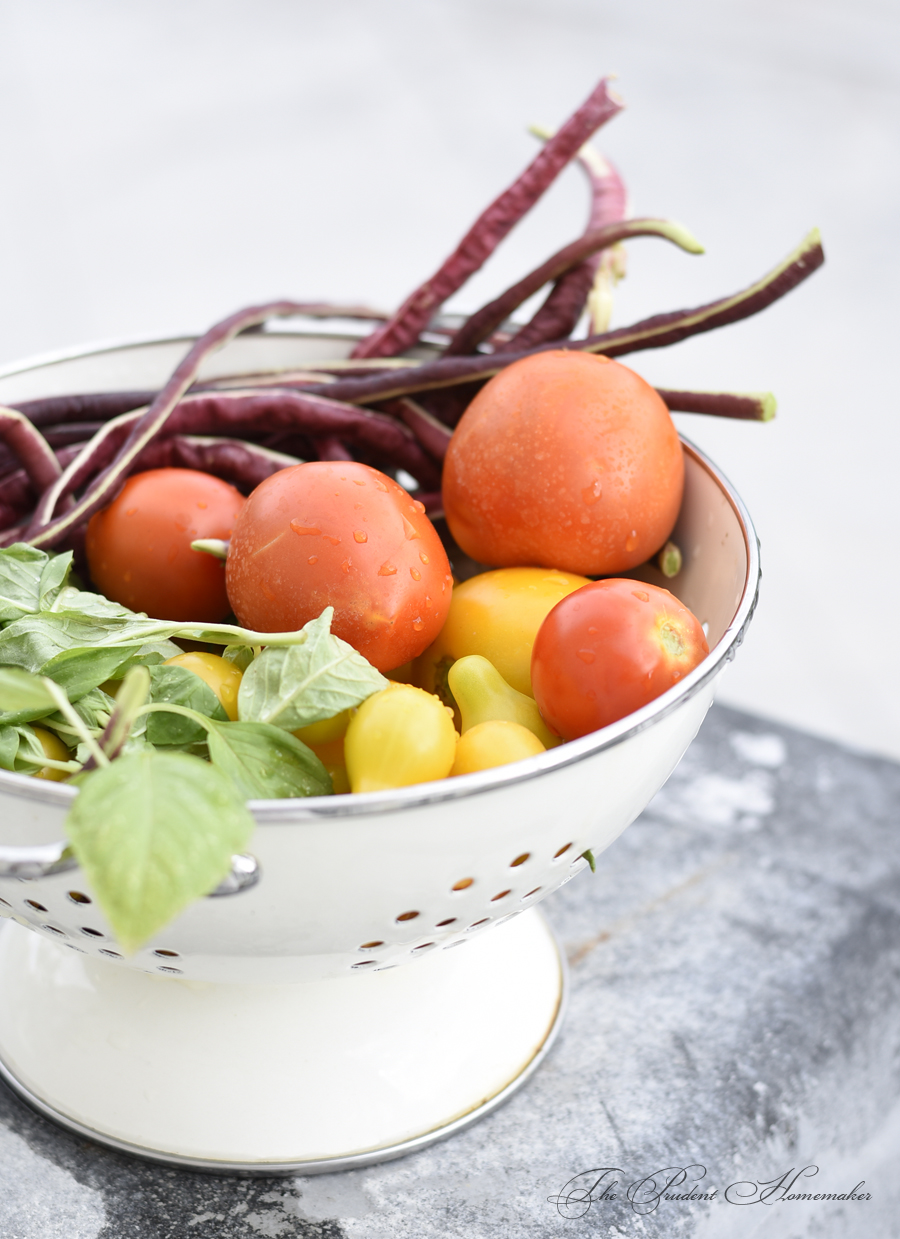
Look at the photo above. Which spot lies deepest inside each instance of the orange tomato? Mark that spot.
(139, 546)
(564, 459)
(341, 534)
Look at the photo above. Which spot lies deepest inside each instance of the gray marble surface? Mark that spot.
(735, 969)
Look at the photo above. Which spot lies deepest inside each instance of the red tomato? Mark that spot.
(609, 648)
(341, 534)
(139, 546)
(565, 460)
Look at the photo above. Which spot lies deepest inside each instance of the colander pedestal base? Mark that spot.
(268, 1079)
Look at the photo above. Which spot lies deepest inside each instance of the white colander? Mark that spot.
(273, 1029)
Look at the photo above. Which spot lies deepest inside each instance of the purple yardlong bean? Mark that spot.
(30, 446)
(104, 487)
(433, 435)
(654, 332)
(245, 465)
(239, 412)
(745, 406)
(558, 316)
(491, 227)
(481, 324)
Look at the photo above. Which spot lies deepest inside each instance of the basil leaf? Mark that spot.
(154, 831)
(293, 686)
(23, 694)
(80, 604)
(21, 750)
(266, 762)
(241, 655)
(9, 746)
(26, 576)
(53, 579)
(181, 687)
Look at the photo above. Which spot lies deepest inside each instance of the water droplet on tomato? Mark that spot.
(586, 656)
(631, 541)
(379, 485)
(301, 530)
(410, 530)
(359, 535)
(590, 494)
(415, 574)
(130, 511)
(641, 595)
(358, 482)
(418, 505)
(423, 557)
(387, 569)
(330, 538)
(313, 559)
(418, 623)
(345, 565)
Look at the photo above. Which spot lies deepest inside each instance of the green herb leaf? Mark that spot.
(23, 694)
(27, 576)
(293, 686)
(181, 687)
(241, 655)
(266, 762)
(153, 831)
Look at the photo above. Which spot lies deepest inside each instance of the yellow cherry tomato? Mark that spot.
(328, 730)
(223, 677)
(497, 615)
(54, 749)
(482, 695)
(326, 739)
(494, 743)
(397, 737)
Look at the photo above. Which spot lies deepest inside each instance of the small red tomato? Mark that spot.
(341, 534)
(609, 648)
(139, 546)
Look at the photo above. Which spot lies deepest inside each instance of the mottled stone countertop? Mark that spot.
(735, 968)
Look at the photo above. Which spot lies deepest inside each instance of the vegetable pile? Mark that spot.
(558, 465)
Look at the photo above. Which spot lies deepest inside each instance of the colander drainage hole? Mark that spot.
(111, 954)
(364, 963)
(166, 968)
(530, 893)
(51, 929)
(502, 895)
(520, 860)
(407, 916)
(561, 852)
(484, 920)
(449, 921)
(78, 897)
(167, 954)
(73, 947)
(424, 946)
(38, 907)
(463, 884)
(370, 946)
(92, 933)
(6, 903)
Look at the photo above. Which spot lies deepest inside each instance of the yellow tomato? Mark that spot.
(54, 749)
(482, 695)
(494, 743)
(497, 615)
(397, 737)
(223, 677)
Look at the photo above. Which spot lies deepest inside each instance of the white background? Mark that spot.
(163, 163)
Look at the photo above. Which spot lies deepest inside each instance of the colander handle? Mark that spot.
(45, 859)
